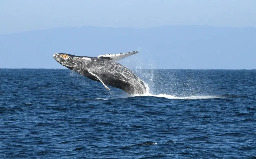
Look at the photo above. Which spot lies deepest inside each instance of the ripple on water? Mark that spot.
(50, 114)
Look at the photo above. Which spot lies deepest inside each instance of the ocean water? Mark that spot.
(187, 114)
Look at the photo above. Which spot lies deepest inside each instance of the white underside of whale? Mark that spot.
(117, 57)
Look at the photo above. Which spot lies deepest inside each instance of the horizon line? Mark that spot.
(125, 27)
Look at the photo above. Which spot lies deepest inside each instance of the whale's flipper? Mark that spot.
(99, 80)
(117, 57)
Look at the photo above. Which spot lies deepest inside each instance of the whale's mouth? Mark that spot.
(57, 57)
(64, 59)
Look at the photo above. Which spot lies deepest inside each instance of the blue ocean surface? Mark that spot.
(47, 113)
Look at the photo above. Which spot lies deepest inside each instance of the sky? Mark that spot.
(19, 16)
(26, 15)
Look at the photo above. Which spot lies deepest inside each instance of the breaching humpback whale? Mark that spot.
(104, 69)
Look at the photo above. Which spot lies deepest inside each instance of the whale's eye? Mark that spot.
(65, 56)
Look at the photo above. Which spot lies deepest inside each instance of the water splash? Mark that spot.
(174, 85)
(168, 96)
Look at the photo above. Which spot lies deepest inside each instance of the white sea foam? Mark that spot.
(101, 98)
(168, 96)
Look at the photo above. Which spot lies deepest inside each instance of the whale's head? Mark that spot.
(71, 61)
(64, 59)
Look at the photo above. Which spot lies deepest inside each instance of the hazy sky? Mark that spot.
(26, 15)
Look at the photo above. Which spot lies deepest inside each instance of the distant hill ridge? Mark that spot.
(195, 47)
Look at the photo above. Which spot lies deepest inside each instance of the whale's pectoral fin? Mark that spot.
(99, 80)
(117, 57)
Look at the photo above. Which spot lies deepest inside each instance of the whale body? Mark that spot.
(104, 69)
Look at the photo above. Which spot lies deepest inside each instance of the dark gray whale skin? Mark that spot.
(104, 70)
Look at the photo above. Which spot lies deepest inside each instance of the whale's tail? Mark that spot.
(117, 57)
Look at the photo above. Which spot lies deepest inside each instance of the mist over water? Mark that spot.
(171, 84)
